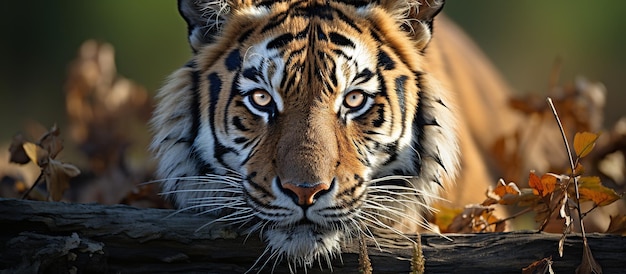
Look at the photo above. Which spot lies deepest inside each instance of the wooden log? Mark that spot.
(53, 237)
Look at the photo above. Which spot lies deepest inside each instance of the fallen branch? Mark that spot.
(57, 237)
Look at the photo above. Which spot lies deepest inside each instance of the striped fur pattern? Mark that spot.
(310, 122)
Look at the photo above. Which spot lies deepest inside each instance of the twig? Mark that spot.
(25, 195)
(526, 210)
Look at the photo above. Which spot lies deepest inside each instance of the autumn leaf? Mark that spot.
(474, 219)
(36, 154)
(588, 264)
(504, 194)
(16, 150)
(51, 142)
(55, 173)
(617, 225)
(584, 143)
(57, 176)
(542, 186)
(591, 189)
(539, 267)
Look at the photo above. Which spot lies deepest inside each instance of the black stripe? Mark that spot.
(349, 21)
(400, 91)
(252, 74)
(339, 52)
(245, 35)
(320, 34)
(280, 41)
(378, 122)
(384, 61)
(195, 105)
(356, 3)
(259, 189)
(392, 150)
(238, 124)
(233, 60)
(240, 140)
(341, 40)
(215, 87)
(274, 22)
(201, 166)
(363, 76)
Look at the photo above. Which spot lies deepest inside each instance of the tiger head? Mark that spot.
(309, 121)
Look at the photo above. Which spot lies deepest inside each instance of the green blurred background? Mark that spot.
(523, 38)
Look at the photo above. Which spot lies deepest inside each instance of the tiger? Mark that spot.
(315, 122)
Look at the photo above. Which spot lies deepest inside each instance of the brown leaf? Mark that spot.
(617, 225)
(584, 143)
(542, 186)
(51, 142)
(504, 194)
(36, 154)
(591, 189)
(539, 267)
(57, 176)
(474, 219)
(18, 155)
(588, 264)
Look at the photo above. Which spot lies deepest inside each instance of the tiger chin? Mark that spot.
(309, 122)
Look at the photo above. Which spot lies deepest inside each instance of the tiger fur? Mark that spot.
(313, 122)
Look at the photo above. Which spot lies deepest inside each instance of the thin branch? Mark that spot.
(25, 195)
(526, 210)
(573, 167)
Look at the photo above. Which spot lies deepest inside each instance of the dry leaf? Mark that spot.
(474, 219)
(588, 264)
(564, 213)
(542, 186)
(617, 225)
(36, 154)
(57, 176)
(504, 194)
(542, 266)
(18, 155)
(584, 143)
(591, 189)
(51, 142)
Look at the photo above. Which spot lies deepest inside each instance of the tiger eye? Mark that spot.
(354, 99)
(261, 98)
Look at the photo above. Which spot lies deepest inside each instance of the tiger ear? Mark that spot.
(205, 18)
(416, 17)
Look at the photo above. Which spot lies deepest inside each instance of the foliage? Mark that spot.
(55, 173)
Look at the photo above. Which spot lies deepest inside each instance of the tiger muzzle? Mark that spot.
(306, 158)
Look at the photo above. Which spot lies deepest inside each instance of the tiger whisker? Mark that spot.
(231, 217)
(372, 217)
(388, 199)
(188, 208)
(265, 252)
(395, 211)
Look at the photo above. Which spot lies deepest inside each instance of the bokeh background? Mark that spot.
(39, 39)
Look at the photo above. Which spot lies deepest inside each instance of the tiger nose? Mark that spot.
(305, 194)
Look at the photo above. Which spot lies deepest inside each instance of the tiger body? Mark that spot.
(313, 122)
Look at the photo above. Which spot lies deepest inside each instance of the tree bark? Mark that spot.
(52, 237)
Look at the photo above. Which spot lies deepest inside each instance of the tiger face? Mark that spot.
(309, 121)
